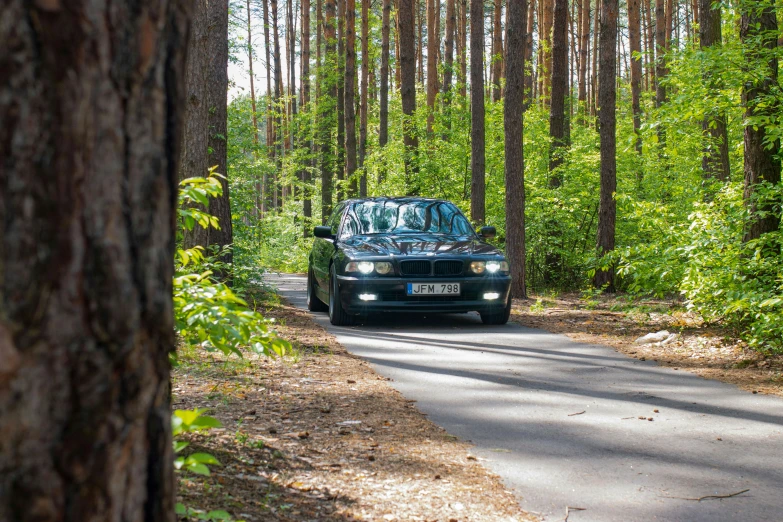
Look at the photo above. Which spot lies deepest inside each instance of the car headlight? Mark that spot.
(364, 267)
(383, 267)
(478, 267)
(494, 267)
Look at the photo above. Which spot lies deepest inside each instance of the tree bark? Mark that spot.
(307, 195)
(269, 182)
(433, 44)
(448, 68)
(90, 127)
(407, 38)
(463, 53)
(584, 44)
(557, 116)
(497, 50)
(528, 81)
(635, 44)
(217, 101)
(383, 131)
(759, 29)
(513, 123)
(254, 116)
(340, 166)
(715, 161)
(660, 49)
(277, 108)
(364, 94)
(350, 96)
(420, 50)
(477, 111)
(195, 151)
(547, 20)
(607, 97)
(326, 110)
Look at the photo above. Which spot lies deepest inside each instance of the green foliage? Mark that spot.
(207, 312)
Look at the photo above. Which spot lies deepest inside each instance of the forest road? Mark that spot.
(566, 425)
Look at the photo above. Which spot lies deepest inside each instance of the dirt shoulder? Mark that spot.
(705, 350)
(321, 436)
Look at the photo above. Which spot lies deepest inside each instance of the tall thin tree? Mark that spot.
(477, 153)
(365, 81)
(759, 31)
(497, 49)
(433, 44)
(607, 98)
(406, 34)
(350, 97)
(635, 46)
(513, 124)
(383, 130)
(715, 161)
(557, 109)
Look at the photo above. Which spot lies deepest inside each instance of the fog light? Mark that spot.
(368, 297)
(491, 295)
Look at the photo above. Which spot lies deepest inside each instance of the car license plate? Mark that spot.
(433, 289)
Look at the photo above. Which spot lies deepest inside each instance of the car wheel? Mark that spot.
(337, 315)
(314, 304)
(500, 317)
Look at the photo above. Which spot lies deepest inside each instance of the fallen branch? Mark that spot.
(577, 413)
(568, 511)
(705, 497)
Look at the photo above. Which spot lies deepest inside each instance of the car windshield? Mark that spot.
(405, 217)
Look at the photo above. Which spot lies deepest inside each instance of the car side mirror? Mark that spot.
(488, 232)
(323, 231)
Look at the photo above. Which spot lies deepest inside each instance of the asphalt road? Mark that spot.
(559, 421)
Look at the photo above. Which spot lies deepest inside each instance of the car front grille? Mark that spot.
(408, 268)
(448, 268)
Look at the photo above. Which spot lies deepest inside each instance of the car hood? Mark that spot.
(417, 245)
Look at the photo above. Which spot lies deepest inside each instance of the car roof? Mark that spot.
(397, 199)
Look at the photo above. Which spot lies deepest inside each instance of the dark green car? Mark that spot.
(405, 255)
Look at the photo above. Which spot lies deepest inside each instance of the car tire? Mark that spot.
(314, 304)
(337, 315)
(500, 317)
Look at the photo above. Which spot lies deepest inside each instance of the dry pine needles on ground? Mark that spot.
(321, 436)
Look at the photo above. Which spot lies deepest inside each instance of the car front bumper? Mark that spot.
(391, 293)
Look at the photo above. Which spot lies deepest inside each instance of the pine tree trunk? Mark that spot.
(350, 97)
(497, 50)
(305, 176)
(420, 49)
(528, 94)
(759, 29)
(340, 166)
(433, 44)
(463, 54)
(364, 94)
(607, 97)
(513, 124)
(547, 17)
(326, 110)
(254, 116)
(90, 128)
(267, 198)
(477, 188)
(594, 80)
(448, 69)
(217, 101)
(660, 49)
(584, 43)
(557, 116)
(406, 35)
(279, 108)
(195, 151)
(383, 131)
(635, 44)
(715, 161)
